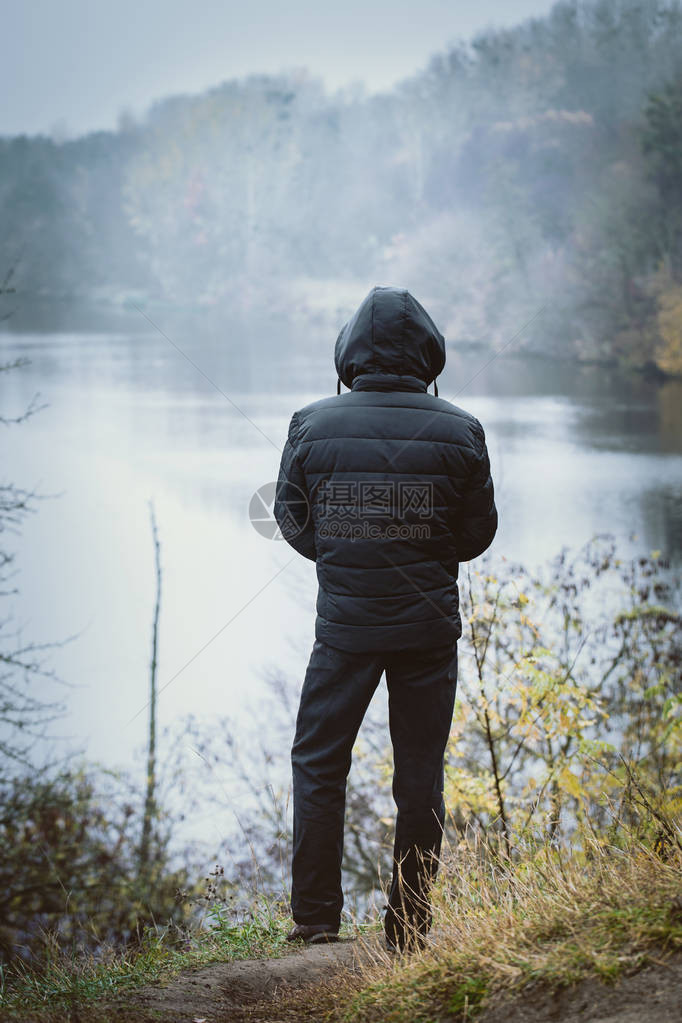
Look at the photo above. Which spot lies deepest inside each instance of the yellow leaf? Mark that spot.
(570, 783)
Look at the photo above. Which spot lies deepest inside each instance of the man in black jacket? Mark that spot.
(387, 488)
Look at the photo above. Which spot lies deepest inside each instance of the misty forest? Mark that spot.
(541, 161)
(527, 186)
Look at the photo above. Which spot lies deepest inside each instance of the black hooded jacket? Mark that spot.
(387, 488)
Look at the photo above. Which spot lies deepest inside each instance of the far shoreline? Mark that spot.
(31, 313)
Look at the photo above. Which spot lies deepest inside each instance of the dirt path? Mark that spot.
(234, 991)
(217, 992)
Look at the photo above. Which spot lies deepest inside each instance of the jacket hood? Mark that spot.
(390, 333)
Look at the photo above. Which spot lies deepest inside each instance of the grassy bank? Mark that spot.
(66, 981)
(553, 918)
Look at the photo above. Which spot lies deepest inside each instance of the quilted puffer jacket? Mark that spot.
(386, 487)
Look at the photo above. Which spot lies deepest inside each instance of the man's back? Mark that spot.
(387, 487)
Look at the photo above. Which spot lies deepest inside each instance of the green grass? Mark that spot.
(64, 981)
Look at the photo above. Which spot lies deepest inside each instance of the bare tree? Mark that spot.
(150, 797)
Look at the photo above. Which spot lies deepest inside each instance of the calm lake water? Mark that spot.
(575, 451)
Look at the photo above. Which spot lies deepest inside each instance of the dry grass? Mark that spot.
(552, 918)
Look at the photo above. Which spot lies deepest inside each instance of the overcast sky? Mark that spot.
(74, 65)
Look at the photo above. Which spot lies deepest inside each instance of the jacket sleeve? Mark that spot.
(292, 506)
(477, 518)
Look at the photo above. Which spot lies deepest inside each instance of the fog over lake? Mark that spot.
(575, 451)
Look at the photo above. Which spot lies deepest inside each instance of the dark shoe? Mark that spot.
(313, 934)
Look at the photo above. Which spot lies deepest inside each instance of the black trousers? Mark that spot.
(336, 692)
